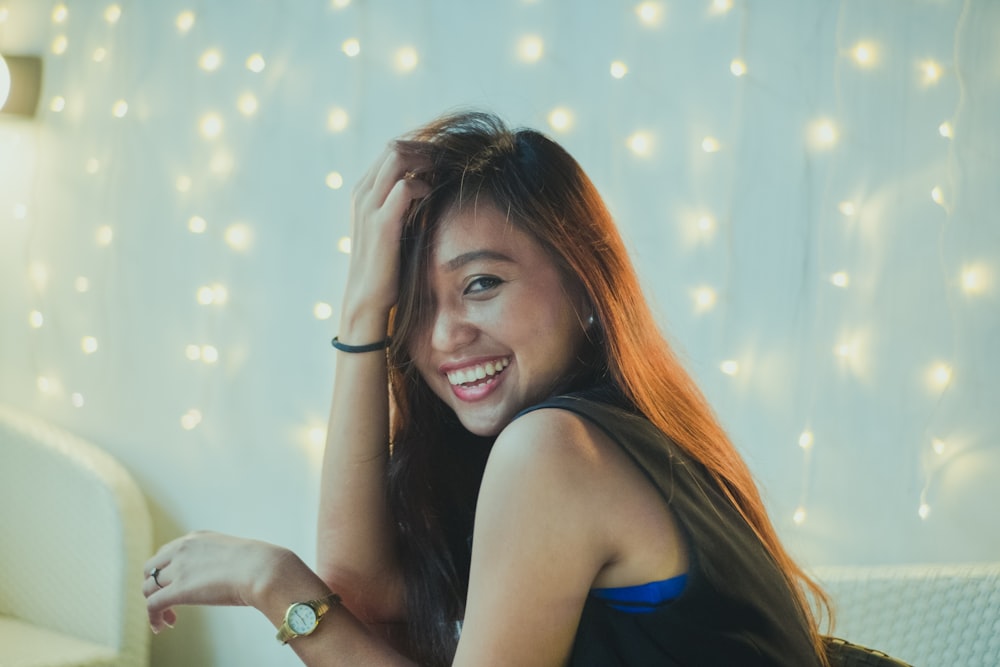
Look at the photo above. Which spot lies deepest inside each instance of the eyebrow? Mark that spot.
(465, 258)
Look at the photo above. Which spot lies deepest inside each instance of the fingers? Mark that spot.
(382, 179)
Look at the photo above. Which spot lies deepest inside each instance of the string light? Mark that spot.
(60, 44)
(940, 375)
(197, 224)
(112, 13)
(208, 295)
(618, 69)
(221, 164)
(938, 446)
(57, 104)
(88, 344)
(81, 284)
(119, 109)
(210, 60)
(247, 104)
(317, 436)
(337, 120)
(38, 274)
(738, 67)
(946, 130)
(351, 47)
(640, 143)
(406, 59)
(59, 13)
(322, 310)
(256, 64)
(730, 367)
(36, 319)
(720, 7)
(710, 145)
(560, 119)
(183, 183)
(99, 55)
(865, 54)
(210, 125)
(344, 245)
(191, 419)
(530, 48)
(806, 440)
(975, 279)
(334, 180)
(104, 235)
(937, 194)
(185, 21)
(92, 166)
(340, 4)
(76, 400)
(649, 13)
(847, 208)
(931, 72)
(924, 511)
(704, 299)
(840, 279)
(237, 236)
(209, 354)
(822, 134)
(799, 517)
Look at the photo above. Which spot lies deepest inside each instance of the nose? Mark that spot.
(451, 330)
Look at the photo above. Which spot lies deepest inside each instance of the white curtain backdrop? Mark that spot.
(809, 188)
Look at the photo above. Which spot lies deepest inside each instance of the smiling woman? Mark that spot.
(552, 489)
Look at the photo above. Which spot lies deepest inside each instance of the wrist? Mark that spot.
(362, 325)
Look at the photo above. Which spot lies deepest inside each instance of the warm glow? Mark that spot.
(351, 47)
(840, 279)
(212, 295)
(640, 143)
(209, 354)
(191, 419)
(247, 104)
(710, 145)
(847, 208)
(938, 446)
(185, 20)
(92, 165)
(337, 119)
(77, 400)
(704, 299)
(975, 279)
(650, 13)
(931, 72)
(57, 104)
(721, 6)
(738, 67)
(937, 194)
(197, 224)
(865, 54)
(112, 13)
(119, 109)
(59, 45)
(38, 274)
(36, 319)
(81, 284)
(104, 235)
(560, 119)
(334, 180)
(406, 59)
(924, 510)
(344, 245)
(210, 125)
(99, 55)
(946, 130)
(256, 64)
(183, 184)
(88, 344)
(822, 134)
(238, 236)
(618, 69)
(730, 367)
(59, 13)
(800, 516)
(530, 48)
(340, 4)
(210, 60)
(322, 311)
(806, 440)
(940, 375)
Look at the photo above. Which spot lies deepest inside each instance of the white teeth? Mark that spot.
(477, 372)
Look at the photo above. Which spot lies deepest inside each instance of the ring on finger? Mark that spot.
(154, 573)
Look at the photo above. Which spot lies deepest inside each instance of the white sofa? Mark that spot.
(74, 533)
(926, 615)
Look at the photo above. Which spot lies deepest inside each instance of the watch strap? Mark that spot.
(320, 606)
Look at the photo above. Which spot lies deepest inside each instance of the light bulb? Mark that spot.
(351, 47)
(59, 13)
(76, 400)
(530, 48)
(730, 367)
(337, 119)
(238, 236)
(946, 130)
(322, 311)
(247, 104)
(738, 67)
(822, 134)
(800, 516)
(560, 119)
(721, 6)
(806, 440)
(975, 279)
(112, 13)
(931, 72)
(334, 180)
(210, 125)
(710, 145)
(210, 60)
(256, 64)
(197, 224)
(939, 446)
(640, 143)
(191, 419)
(847, 208)
(924, 510)
(88, 344)
(36, 319)
(704, 299)
(937, 194)
(840, 279)
(649, 13)
(864, 54)
(344, 245)
(618, 69)
(119, 109)
(192, 352)
(184, 22)
(209, 354)
(406, 59)
(57, 104)
(105, 235)
(59, 45)
(940, 375)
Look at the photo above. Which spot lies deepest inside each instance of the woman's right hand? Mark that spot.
(378, 206)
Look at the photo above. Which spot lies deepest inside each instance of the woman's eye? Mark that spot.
(481, 284)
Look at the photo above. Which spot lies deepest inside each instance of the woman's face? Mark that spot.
(505, 330)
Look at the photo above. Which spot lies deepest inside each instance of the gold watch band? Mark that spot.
(320, 606)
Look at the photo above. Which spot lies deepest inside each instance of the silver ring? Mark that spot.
(153, 573)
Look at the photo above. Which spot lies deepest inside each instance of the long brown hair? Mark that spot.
(436, 465)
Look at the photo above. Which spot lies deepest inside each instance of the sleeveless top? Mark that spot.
(736, 608)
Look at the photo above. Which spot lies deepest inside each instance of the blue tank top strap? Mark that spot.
(644, 598)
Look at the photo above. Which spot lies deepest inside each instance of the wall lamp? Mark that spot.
(20, 84)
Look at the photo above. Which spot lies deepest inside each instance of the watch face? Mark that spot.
(302, 619)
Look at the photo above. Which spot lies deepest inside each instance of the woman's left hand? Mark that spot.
(204, 568)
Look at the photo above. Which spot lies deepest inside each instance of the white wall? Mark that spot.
(852, 365)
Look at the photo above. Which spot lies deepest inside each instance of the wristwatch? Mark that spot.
(302, 617)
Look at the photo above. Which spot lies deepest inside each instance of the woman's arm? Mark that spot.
(356, 550)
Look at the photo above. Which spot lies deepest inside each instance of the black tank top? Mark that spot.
(737, 609)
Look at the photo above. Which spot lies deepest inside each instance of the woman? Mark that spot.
(552, 489)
